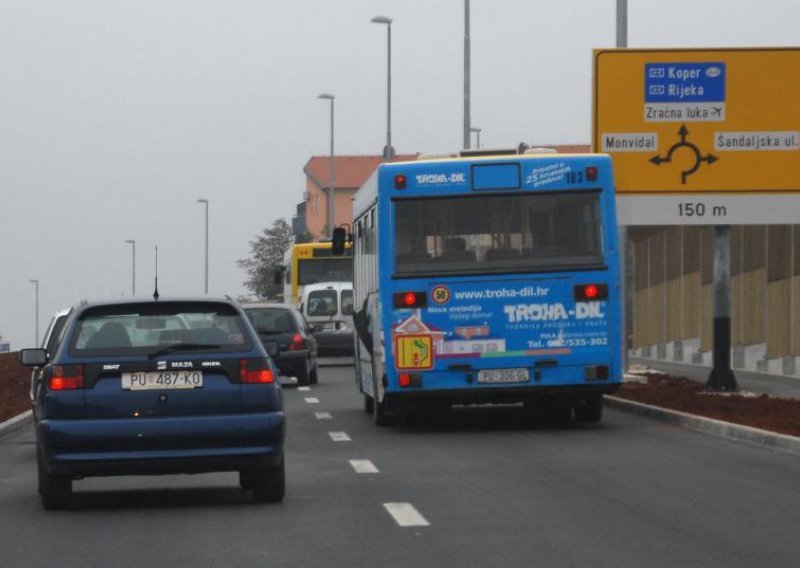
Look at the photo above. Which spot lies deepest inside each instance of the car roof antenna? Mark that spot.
(156, 294)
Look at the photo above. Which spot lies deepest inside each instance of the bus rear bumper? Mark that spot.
(571, 394)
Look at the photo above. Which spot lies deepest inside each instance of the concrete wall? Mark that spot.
(673, 295)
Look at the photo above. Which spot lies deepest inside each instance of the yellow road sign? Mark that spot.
(413, 351)
(687, 121)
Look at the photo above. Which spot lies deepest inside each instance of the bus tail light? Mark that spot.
(400, 181)
(298, 343)
(255, 371)
(407, 380)
(410, 300)
(590, 292)
(66, 377)
(591, 173)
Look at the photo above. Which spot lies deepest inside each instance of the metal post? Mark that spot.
(331, 172)
(622, 23)
(205, 201)
(133, 277)
(721, 377)
(388, 151)
(36, 285)
(467, 78)
(477, 132)
(626, 249)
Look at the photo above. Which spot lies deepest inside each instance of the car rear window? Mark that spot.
(272, 320)
(136, 328)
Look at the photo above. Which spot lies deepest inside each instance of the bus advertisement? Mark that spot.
(309, 263)
(489, 279)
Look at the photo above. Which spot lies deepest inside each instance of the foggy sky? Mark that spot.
(116, 116)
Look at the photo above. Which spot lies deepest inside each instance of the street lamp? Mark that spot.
(205, 201)
(477, 131)
(332, 170)
(133, 278)
(388, 152)
(36, 284)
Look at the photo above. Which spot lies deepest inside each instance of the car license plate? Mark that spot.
(154, 380)
(503, 376)
(329, 326)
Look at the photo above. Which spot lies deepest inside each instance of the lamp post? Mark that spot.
(388, 152)
(332, 170)
(36, 284)
(477, 131)
(205, 202)
(133, 277)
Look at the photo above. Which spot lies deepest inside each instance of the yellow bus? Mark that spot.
(309, 263)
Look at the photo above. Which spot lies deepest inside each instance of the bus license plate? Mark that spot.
(503, 376)
(155, 380)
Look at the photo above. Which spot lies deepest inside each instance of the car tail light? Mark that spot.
(298, 343)
(67, 377)
(253, 371)
(410, 300)
(589, 292)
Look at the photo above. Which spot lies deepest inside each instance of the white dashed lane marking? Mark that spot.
(339, 436)
(364, 466)
(406, 515)
(312, 400)
(304, 388)
(323, 415)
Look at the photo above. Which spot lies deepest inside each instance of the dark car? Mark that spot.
(287, 326)
(157, 387)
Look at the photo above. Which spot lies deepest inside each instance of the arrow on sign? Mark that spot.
(684, 133)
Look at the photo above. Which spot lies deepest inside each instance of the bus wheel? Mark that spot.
(591, 410)
(380, 414)
(369, 404)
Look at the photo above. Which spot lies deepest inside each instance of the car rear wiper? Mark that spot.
(182, 347)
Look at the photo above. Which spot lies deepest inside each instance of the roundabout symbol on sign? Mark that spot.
(698, 158)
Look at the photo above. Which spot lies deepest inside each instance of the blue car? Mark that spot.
(157, 387)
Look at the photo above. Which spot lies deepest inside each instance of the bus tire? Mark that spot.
(591, 410)
(369, 404)
(380, 415)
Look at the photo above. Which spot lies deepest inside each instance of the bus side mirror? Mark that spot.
(338, 241)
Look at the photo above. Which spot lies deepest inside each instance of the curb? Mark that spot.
(718, 428)
(17, 423)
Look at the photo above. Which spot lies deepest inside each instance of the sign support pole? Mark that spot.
(721, 377)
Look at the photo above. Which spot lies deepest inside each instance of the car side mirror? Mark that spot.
(33, 357)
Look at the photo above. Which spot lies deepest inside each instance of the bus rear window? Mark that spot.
(498, 233)
(331, 269)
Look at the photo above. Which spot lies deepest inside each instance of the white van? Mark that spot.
(329, 306)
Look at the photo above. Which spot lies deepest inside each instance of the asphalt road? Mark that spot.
(485, 488)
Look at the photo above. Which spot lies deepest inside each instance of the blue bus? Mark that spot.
(488, 279)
